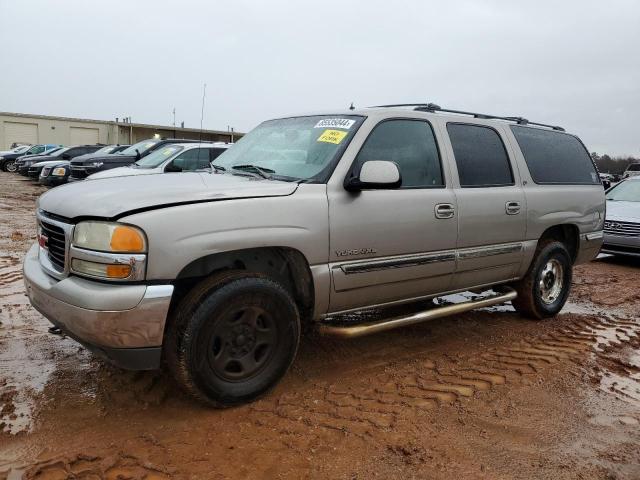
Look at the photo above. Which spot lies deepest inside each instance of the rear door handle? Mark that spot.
(512, 208)
(444, 210)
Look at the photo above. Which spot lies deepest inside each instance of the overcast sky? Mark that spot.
(575, 63)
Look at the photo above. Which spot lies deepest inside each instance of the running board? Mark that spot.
(362, 329)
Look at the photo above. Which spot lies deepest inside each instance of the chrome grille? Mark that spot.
(623, 229)
(55, 244)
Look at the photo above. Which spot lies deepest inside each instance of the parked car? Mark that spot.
(170, 158)
(56, 173)
(622, 225)
(8, 162)
(21, 149)
(30, 159)
(216, 272)
(632, 170)
(82, 168)
(68, 153)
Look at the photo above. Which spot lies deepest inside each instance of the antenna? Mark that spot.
(174, 116)
(204, 93)
(351, 107)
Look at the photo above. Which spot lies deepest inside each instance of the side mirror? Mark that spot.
(375, 174)
(137, 154)
(65, 156)
(606, 184)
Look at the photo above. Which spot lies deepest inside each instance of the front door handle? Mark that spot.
(512, 208)
(444, 210)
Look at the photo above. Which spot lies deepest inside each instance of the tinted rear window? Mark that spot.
(555, 157)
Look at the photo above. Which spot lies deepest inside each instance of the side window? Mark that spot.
(215, 153)
(191, 160)
(555, 157)
(409, 143)
(480, 156)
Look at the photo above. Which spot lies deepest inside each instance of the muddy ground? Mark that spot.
(481, 395)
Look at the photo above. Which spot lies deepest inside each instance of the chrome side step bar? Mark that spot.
(361, 329)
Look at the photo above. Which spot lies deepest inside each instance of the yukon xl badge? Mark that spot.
(355, 251)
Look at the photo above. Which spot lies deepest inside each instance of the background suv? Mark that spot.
(82, 168)
(170, 158)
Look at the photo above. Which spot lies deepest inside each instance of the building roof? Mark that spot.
(120, 123)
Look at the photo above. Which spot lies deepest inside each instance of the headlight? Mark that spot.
(59, 172)
(108, 250)
(97, 164)
(109, 237)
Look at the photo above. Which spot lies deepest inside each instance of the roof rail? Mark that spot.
(432, 107)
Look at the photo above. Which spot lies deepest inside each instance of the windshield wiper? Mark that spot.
(262, 171)
(218, 168)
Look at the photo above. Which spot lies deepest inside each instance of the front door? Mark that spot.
(389, 245)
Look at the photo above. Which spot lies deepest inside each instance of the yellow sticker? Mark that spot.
(332, 136)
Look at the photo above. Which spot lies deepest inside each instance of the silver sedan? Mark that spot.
(622, 223)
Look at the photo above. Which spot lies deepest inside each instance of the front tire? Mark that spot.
(232, 338)
(545, 288)
(10, 166)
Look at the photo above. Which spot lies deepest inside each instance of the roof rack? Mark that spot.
(432, 107)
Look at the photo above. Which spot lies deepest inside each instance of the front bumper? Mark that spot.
(53, 180)
(621, 245)
(122, 323)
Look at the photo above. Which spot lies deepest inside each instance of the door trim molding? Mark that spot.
(428, 258)
(478, 252)
(397, 262)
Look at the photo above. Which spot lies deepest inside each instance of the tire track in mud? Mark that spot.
(379, 401)
(86, 467)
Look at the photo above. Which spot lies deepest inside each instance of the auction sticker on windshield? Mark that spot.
(332, 136)
(335, 123)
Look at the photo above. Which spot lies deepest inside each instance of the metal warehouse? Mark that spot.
(34, 129)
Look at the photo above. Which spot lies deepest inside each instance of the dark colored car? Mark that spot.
(28, 160)
(55, 173)
(31, 167)
(82, 168)
(8, 161)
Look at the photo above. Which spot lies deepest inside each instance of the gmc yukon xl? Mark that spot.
(217, 273)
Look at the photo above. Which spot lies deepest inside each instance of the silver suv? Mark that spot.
(216, 273)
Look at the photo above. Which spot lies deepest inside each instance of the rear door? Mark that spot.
(491, 205)
(390, 245)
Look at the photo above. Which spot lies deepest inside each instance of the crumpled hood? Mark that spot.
(122, 172)
(111, 197)
(623, 211)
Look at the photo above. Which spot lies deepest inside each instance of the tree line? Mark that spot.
(614, 165)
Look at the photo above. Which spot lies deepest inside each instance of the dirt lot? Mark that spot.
(481, 395)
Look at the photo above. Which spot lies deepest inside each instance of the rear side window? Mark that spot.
(555, 157)
(411, 145)
(480, 156)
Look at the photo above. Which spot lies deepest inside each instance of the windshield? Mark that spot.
(299, 148)
(157, 157)
(105, 150)
(628, 191)
(142, 147)
(57, 152)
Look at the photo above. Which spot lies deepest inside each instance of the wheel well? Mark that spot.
(567, 234)
(286, 265)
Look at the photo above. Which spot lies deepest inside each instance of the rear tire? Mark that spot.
(545, 288)
(232, 338)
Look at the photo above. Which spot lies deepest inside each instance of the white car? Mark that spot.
(182, 157)
(20, 149)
